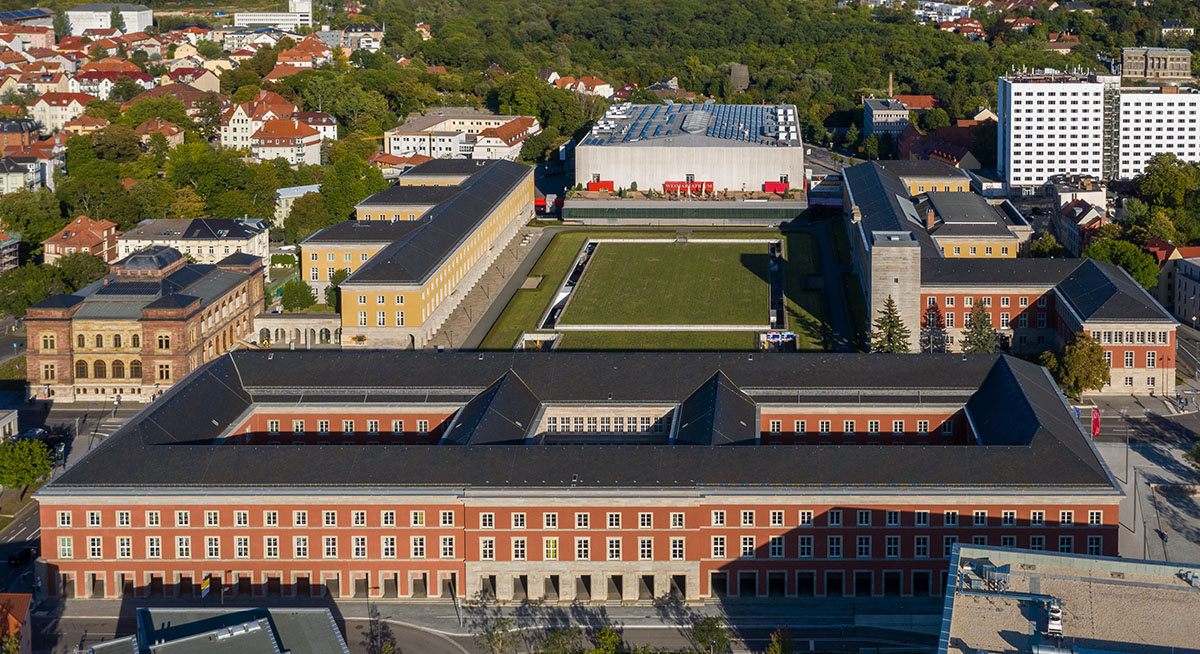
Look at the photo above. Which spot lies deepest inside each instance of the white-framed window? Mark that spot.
(417, 518)
(583, 549)
(487, 520)
(921, 518)
(950, 518)
(95, 547)
(806, 518)
(614, 520)
(776, 518)
(718, 547)
(718, 518)
(270, 518)
(864, 517)
(183, 547)
(417, 547)
(835, 517)
(154, 547)
(300, 518)
(387, 546)
(614, 549)
(447, 549)
(747, 547)
(93, 518)
(1066, 543)
(645, 520)
(183, 518)
(518, 521)
(447, 519)
(892, 547)
(212, 547)
(676, 521)
(1037, 518)
(329, 518)
(979, 518)
(1066, 517)
(1095, 517)
(645, 549)
(271, 547)
(1095, 545)
(1037, 543)
(487, 549)
(677, 549)
(893, 518)
(921, 547)
(747, 518)
(806, 547)
(775, 547)
(387, 518)
(329, 547)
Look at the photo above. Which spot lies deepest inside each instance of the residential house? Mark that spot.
(1061, 42)
(205, 240)
(424, 30)
(101, 83)
(240, 122)
(82, 124)
(197, 78)
(392, 166)
(189, 96)
(1176, 28)
(324, 123)
(83, 234)
(172, 132)
(111, 65)
(15, 607)
(291, 140)
(42, 83)
(286, 197)
(30, 35)
(363, 36)
(13, 176)
(308, 53)
(968, 27)
(17, 131)
(52, 110)
(1076, 222)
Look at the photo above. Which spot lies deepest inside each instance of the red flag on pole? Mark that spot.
(1095, 422)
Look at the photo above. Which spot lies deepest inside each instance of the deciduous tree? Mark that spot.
(296, 295)
(1079, 367)
(1136, 261)
(709, 635)
(81, 268)
(22, 462)
(1045, 246)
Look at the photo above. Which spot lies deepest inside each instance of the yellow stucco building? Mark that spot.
(418, 247)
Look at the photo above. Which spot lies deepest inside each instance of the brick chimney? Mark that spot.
(930, 219)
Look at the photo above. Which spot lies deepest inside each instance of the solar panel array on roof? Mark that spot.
(21, 14)
(750, 124)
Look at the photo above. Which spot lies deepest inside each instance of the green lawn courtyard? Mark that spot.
(659, 283)
(672, 284)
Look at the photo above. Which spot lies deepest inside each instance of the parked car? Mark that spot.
(36, 433)
(22, 556)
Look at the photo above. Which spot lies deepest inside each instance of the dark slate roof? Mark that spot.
(449, 167)
(501, 415)
(717, 413)
(239, 259)
(18, 125)
(1027, 432)
(173, 301)
(885, 204)
(1095, 290)
(293, 630)
(413, 258)
(10, 165)
(214, 228)
(155, 257)
(61, 301)
(406, 194)
(967, 214)
(1102, 291)
(358, 231)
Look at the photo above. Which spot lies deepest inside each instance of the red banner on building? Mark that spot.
(688, 187)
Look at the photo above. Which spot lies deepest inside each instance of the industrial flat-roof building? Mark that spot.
(1000, 600)
(693, 149)
(567, 477)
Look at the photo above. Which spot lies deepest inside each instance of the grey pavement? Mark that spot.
(837, 313)
(833, 624)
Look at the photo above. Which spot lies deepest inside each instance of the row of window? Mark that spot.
(100, 370)
(349, 426)
(519, 547)
(49, 341)
(972, 250)
(645, 520)
(949, 319)
(608, 424)
(1143, 337)
(986, 300)
(380, 319)
(850, 426)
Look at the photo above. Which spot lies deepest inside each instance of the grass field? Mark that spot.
(806, 308)
(685, 341)
(672, 284)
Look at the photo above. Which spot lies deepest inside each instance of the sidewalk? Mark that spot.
(444, 618)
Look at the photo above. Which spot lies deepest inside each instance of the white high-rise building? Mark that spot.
(1073, 124)
(1049, 124)
(1154, 121)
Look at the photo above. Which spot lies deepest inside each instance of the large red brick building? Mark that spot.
(576, 476)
